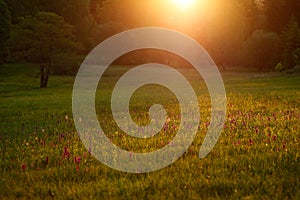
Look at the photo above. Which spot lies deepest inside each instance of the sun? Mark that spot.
(184, 3)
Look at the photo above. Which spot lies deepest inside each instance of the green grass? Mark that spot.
(256, 157)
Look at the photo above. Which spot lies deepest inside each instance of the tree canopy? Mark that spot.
(290, 44)
(42, 38)
(5, 27)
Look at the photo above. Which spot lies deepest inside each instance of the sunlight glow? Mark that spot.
(184, 3)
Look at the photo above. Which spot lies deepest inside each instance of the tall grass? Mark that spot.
(256, 157)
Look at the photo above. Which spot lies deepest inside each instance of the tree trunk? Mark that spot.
(42, 76)
(45, 72)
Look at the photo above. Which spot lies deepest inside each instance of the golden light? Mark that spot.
(184, 3)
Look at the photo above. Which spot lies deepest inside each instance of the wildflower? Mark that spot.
(207, 124)
(233, 122)
(66, 153)
(256, 130)
(250, 142)
(166, 126)
(23, 167)
(237, 143)
(77, 159)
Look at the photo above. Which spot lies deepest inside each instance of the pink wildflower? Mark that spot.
(23, 166)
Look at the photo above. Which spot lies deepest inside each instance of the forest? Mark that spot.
(252, 34)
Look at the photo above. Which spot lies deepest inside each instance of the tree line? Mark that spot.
(56, 35)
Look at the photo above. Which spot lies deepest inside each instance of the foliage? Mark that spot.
(290, 44)
(38, 39)
(279, 12)
(225, 35)
(95, 7)
(5, 27)
(279, 67)
(295, 70)
(260, 50)
(66, 64)
(225, 29)
(77, 13)
(19, 10)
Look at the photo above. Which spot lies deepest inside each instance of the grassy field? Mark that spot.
(256, 157)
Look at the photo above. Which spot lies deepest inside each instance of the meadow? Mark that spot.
(256, 157)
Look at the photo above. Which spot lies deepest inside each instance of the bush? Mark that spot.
(296, 56)
(279, 67)
(295, 70)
